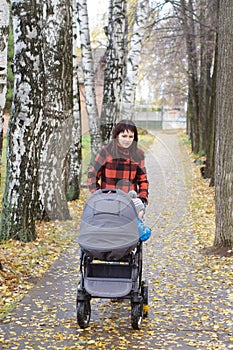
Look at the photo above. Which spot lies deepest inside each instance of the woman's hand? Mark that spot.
(140, 215)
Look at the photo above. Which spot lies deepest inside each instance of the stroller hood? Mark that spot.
(108, 229)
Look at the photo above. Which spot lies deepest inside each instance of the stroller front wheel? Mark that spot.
(136, 315)
(83, 313)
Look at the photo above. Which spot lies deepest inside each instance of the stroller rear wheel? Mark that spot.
(136, 315)
(83, 313)
(145, 298)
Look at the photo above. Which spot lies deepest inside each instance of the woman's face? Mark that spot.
(125, 138)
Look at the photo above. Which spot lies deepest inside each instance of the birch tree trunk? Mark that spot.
(73, 190)
(57, 108)
(224, 140)
(4, 29)
(133, 60)
(41, 122)
(89, 79)
(21, 185)
(115, 66)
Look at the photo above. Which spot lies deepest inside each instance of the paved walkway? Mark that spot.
(186, 311)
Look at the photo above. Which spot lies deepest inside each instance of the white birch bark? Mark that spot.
(89, 79)
(133, 60)
(41, 121)
(4, 28)
(115, 66)
(73, 190)
(20, 194)
(57, 107)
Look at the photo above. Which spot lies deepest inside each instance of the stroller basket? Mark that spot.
(99, 270)
(108, 280)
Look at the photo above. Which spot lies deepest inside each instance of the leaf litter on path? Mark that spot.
(190, 294)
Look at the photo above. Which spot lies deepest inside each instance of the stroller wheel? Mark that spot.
(145, 298)
(136, 315)
(83, 313)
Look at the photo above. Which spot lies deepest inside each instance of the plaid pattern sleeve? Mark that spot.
(94, 173)
(142, 181)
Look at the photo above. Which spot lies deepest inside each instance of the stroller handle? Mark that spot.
(107, 190)
(112, 191)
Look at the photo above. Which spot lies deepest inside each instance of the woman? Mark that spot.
(121, 164)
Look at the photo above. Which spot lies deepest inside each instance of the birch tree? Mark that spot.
(115, 66)
(74, 178)
(133, 59)
(19, 201)
(4, 28)
(57, 108)
(224, 127)
(89, 79)
(41, 116)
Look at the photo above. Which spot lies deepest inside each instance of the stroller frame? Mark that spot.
(98, 279)
(111, 255)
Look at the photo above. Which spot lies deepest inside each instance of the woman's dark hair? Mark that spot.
(123, 125)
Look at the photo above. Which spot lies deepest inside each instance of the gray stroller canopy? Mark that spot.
(108, 229)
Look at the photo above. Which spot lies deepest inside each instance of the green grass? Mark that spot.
(2, 170)
(86, 156)
(145, 141)
(184, 138)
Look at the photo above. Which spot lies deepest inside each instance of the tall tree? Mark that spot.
(89, 78)
(57, 107)
(206, 58)
(208, 128)
(115, 66)
(189, 30)
(198, 21)
(20, 194)
(4, 28)
(74, 176)
(224, 127)
(163, 66)
(41, 119)
(133, 59)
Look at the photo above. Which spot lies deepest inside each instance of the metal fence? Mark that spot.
(160, 117)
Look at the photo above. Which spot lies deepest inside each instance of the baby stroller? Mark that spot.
(111, 255)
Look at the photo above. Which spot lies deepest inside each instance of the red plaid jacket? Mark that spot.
(126, 172)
